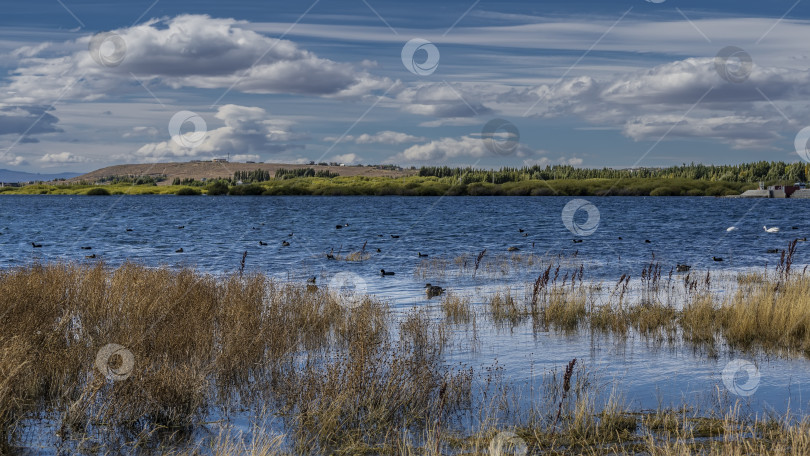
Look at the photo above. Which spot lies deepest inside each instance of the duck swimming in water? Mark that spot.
(383, 272)
(433, 291)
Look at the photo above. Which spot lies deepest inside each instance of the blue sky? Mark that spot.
(588, 83)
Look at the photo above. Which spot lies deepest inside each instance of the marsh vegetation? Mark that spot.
(192, 352)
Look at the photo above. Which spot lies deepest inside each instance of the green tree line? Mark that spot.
(743, 173)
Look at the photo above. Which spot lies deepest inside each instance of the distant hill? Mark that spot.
(209, 170)
(7, 175)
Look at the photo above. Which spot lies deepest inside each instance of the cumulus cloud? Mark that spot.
(247, 129)
(13, 160)
(383, 137)
(349, 159)
(194, 51)
(466, 146)
(61, 158)
(443, 100)
(684, 99)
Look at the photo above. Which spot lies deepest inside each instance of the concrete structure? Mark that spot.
(796, 190)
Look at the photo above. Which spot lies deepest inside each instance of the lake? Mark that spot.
(216, 231)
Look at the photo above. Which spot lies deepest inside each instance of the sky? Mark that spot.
(628, 83)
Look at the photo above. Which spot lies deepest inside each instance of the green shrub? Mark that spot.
(246, 190)
(217, 188)
(188, 191)
(98, 191)
(665, 191)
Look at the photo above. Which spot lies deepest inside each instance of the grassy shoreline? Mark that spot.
(418, 186)
(353, 379)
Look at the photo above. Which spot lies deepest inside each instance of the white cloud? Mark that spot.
(685, 99)
(637, 35)
(247, 129)
(138, 132)
(383, 137)
(466, 146)
(194, 51)
(348, 159)
(444, 100)
(15, 160)
(61, 158)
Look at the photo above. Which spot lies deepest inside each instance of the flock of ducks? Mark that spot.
(432, 290)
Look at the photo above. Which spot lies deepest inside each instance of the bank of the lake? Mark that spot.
(406, 186)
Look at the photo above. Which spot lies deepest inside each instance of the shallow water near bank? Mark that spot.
(453, 231)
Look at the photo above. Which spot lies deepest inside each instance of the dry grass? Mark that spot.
(506, 308)
(457, 308)
(203, 345)
(343, 380)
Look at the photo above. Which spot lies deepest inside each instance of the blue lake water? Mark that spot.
(217, 230)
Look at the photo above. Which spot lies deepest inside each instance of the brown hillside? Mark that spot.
(210, 170)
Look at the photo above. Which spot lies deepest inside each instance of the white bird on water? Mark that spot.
(772, 229)
(731, 228)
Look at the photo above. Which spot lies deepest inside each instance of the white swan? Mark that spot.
(772, 229)
(731, 228)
